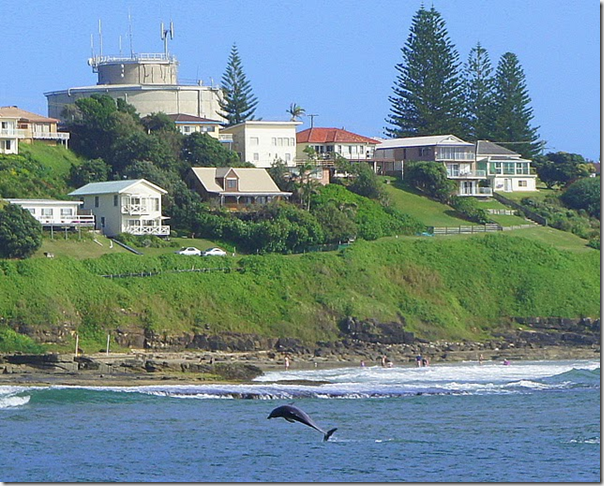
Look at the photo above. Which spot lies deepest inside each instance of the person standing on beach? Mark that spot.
(286, 363)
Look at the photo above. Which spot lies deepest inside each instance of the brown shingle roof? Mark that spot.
(14, 112)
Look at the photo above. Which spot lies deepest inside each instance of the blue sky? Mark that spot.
(335, 58)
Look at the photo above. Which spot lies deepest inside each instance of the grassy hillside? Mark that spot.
(38, 171)
(451, 288)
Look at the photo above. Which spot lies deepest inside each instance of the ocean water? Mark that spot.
(533, 421)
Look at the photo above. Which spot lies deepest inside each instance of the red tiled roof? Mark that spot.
(331, 135)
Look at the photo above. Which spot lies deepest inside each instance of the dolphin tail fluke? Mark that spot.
(329, 434)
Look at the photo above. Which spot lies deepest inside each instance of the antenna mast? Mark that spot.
(164, 36)
(100, 39)
(130, 33)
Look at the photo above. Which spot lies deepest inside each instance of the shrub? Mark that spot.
(20, 232)
(468, 208)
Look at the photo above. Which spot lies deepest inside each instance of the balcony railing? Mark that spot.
(50, 135)
(12, 132)
(467, 174)
(68, 220)
(477, 191)
(159, 230)
(225, 137)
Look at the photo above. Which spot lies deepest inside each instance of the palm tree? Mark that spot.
(296, 111)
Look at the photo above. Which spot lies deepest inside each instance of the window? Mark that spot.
(96, 201)
(46, 212)
(231, 183)
(8, 145)
(508, 168)
(522, 184)
(256, 156)
(495, 168)
(186, 128)
(288, 157)
(280, 142)
(254, 141)
(66, 211)
(522, 168)
(274, 141)
(115, 199)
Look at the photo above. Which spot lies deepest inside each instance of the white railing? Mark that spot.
(12, 132)
(71, 220)
(159, 230)
(467, 174)
(51, 135)
(477, 191)
(227, 137)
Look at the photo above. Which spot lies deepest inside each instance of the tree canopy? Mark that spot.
(513, 114)
(427, 95)
(238, 103)
(20, 232)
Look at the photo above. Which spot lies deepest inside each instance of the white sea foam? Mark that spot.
(13, 401)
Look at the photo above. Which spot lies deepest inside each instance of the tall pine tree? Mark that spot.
(238, 103)
(479, 83)
(428, 92)
(513, 114)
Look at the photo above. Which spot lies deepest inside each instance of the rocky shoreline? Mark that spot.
(241, 358)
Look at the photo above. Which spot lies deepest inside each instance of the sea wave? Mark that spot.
(342, 383)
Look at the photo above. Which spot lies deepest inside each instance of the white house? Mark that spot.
(129, 206)
(51, 212)
(507, 170)
(264, 142)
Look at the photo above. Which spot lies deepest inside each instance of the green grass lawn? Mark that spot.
(412, 202)
(76, 248)
(57, 158)
(562, 240)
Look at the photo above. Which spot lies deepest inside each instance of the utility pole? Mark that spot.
(312, 120)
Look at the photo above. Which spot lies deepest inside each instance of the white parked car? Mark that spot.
(214, 252)
(189, 250)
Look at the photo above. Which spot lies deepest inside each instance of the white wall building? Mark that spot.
(9, 134)
(264, 142)
(129, 206)
(51, 212)
(146, 81)
(507, 170)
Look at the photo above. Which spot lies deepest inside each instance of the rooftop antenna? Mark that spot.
(312, 120)
(164, 36)
(130, 33)
(92, 45)
(100, 39)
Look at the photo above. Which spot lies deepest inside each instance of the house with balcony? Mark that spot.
(506, 170)
(262, 143)
(234, 187)
(128, 206)
(9, 134)
(331, 142)
(458, 157)
(31, 126)
(52, 213)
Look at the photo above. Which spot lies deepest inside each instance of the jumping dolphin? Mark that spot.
(294, 414)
